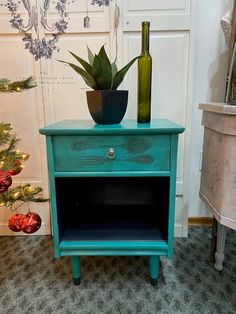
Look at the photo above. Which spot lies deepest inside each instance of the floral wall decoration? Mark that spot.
(42, 47)
(39, 47)
(101, 2)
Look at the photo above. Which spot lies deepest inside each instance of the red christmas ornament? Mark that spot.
(17, 168)
(31, 222)
(15, 222)
(5, 181)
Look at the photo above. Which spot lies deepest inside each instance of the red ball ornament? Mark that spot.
(15, 222)
(16, 169)
(31, 222)
(5, 181)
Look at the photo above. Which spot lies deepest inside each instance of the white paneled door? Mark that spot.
(170, 47)
(60, 93)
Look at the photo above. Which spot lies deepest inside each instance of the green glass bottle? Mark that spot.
(144, 77)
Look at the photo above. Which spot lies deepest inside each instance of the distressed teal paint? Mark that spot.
(114, 245)
(113, 253)
(87, 127)
(76, 266)
(78, 148)
(89, 153)
(114, 248)
(50, 158)
(173, 158)
(154, 266)
(64, 174)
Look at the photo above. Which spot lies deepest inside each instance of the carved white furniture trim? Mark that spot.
(218, 177)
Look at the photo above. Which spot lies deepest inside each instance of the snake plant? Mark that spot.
(99, 73)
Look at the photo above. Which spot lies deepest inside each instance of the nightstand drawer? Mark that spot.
(111, 153)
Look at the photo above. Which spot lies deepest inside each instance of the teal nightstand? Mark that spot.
(112, 189)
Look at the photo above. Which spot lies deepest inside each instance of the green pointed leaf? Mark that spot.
(85, 64)
(103, 56)
(102, 70)
(114, 69)
(121, 74)
(90, 56)
(98, 74)
(89, 80)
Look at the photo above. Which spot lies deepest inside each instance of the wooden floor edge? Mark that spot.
(200, 221)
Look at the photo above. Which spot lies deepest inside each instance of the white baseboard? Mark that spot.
(181, 231)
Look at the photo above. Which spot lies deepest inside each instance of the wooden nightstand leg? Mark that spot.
(219, 255)
(75, 262)
(154, 269)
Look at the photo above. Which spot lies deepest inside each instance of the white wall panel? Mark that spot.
(169, 52)
(99, 17)
(163, 15)
(180, 227)
(157, 5)
(66, 88)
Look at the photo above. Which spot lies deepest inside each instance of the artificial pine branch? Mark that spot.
(23, 193)
(6, 86)
(5, 135)
(9, 155)
(10, 150)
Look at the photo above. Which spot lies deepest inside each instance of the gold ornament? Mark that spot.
(30, 189)
(16, 195)
(24, 156)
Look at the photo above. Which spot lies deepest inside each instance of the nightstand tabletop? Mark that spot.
(74, 127)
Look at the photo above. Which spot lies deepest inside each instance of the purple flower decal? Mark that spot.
(39, 48)
(101, 2)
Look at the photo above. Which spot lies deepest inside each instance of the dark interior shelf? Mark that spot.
(114, 222)
(113, 208)
(109, 235)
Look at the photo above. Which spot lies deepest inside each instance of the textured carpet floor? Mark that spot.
(31, 281)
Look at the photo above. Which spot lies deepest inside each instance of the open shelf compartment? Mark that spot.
(113, 208)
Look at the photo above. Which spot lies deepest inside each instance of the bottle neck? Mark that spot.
(145, 37)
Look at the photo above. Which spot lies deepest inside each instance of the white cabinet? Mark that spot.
(163, 15)
(61, 92)
(218, 175)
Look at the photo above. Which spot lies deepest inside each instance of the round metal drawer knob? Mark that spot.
(111, 153)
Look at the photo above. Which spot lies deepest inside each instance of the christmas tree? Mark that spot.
(11, 164)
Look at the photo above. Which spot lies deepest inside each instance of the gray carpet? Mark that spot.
(31, 281)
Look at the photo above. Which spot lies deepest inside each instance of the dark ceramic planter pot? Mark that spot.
(107, 106)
